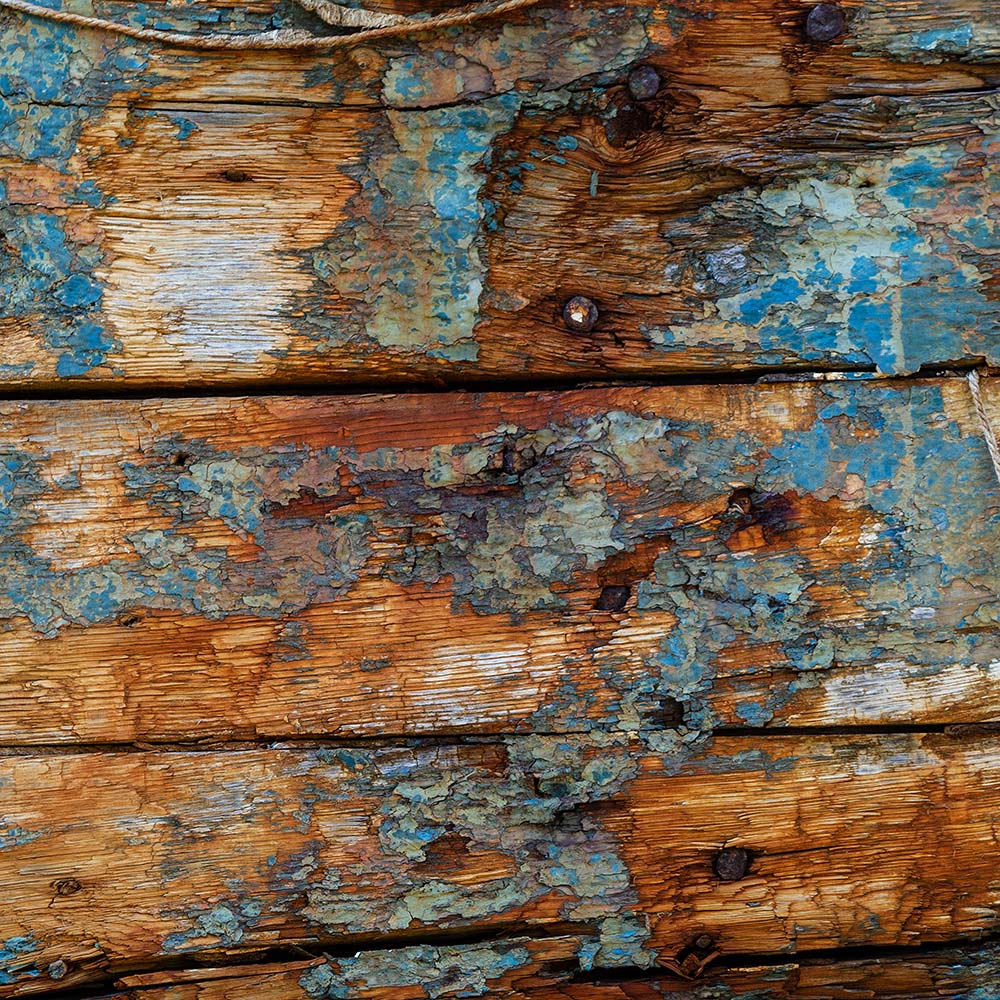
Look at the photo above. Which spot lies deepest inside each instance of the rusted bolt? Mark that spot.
(731, 864)
(613, 598)
(236, 176)
(58, 969)
(66, 886)
(825, 22)
(644, 83)
(580, 314)
(703, 942)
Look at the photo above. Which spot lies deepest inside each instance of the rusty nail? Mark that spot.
(66, 886)
(644, 83)
(236, 176)
(580, 314)
(825, 22)
(703, 942)
(613, 598)
(731, 863)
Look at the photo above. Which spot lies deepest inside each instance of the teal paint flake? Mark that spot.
(877, 267)
(411, 257)
(13, 966)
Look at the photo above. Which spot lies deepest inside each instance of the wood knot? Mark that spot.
(66, 886)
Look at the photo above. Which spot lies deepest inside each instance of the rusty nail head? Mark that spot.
(613, 598)
(731, 864)
(825, 22)
(703, 942)
(58, 969)
(580, 314)
(644, 83)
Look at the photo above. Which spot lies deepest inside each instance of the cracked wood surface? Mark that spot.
(548, 969)
(124, 860)
(787, 554)
(419, 214)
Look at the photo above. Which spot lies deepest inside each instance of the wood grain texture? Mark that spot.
(879, 841)
(785, 554)
(548, 969)
(420, 214)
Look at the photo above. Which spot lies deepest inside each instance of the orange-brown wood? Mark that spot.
(787, 554)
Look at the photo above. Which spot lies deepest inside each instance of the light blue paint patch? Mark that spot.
(13, 967)
(185, 128)
(16, 836)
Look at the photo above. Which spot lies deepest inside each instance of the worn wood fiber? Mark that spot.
(784, 554)
(122, 860)
(420, 213)
(548, 969)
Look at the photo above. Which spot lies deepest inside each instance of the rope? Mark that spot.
(984, 422)
(374, 26)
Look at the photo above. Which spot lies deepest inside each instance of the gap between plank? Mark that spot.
(983, 729)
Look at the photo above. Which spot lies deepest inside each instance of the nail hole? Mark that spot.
(732, 864)
(644, 83)
(672, 713)
(181, 458)
(128, 620)
(58, 969)
(236, 176)
(613, 598)
(741, 500)
(66, 886)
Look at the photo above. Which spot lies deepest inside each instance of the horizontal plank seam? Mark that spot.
(362, 104)
(305, 389)
(985, 728)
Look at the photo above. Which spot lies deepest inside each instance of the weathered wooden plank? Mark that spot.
(151, 238)
(805, 554)
(120, 860)
(547, 969)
